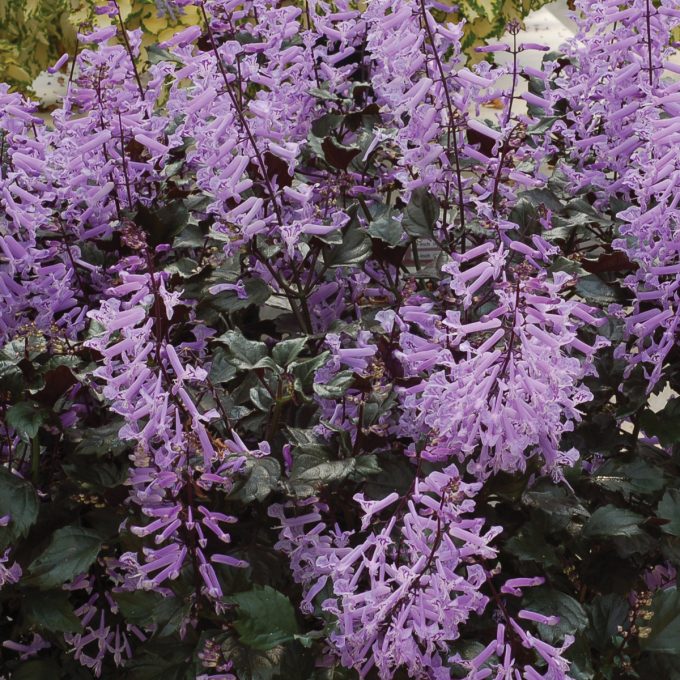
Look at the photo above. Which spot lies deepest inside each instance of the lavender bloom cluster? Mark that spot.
(325, 352)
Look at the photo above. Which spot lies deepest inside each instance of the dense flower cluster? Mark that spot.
(402, 591)
(626, 123)
(314, 158)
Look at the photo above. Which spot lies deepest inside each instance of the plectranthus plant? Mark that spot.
(329, 353)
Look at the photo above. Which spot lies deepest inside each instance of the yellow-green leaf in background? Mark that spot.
(35, 33)
(487, 19)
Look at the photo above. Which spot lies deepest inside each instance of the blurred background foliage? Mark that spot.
(487, 19)
(35, 33)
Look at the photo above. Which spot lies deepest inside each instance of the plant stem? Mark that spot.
(242, 118)
(450, 108)
(35, 459)
(128, 48)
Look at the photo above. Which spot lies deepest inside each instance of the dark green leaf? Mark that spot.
(171, 613)
(509, 487)
(102, 440)
(11, 378)
(192, 237)
(593, 289)
(578, 654)
(164, 659)
(612, 521)
(335, 388)
(530, 546)
(665, 424)
(338, 155)
(243, 353)
(145, 608)
(557, 504)
(580, 205)
(286, 351)
(669, 509)
(222, 369)
(265, 618)
(304, 370)
(395, 473)
(421, 214)
(664, 635)
(26, 418)
(335, 672)
(163, 224)
(385, 227)
(52, 611)
(261, 398)
(138, 606)
(313, 469)
(633, 394)
(542, 126)
(640, 544)
(525, 216)
(607, 614)
(98, 475)
(542, 197)
(38, 669)
(18, 500)
(262, 477)
(184, 267)
(659, 666)
(670, 548)
(70, 552)
(321, 93)
(354, 249)
(553, 602)
(253, 664)
(228, 302)
(562, 230)
(637, 477)
(324, 125)
(307, 440)
(562, 264)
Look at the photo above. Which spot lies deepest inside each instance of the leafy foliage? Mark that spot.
(487, 19)
(265, 618)
(35, 33)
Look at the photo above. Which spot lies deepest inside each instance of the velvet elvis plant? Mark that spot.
(328, 354)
